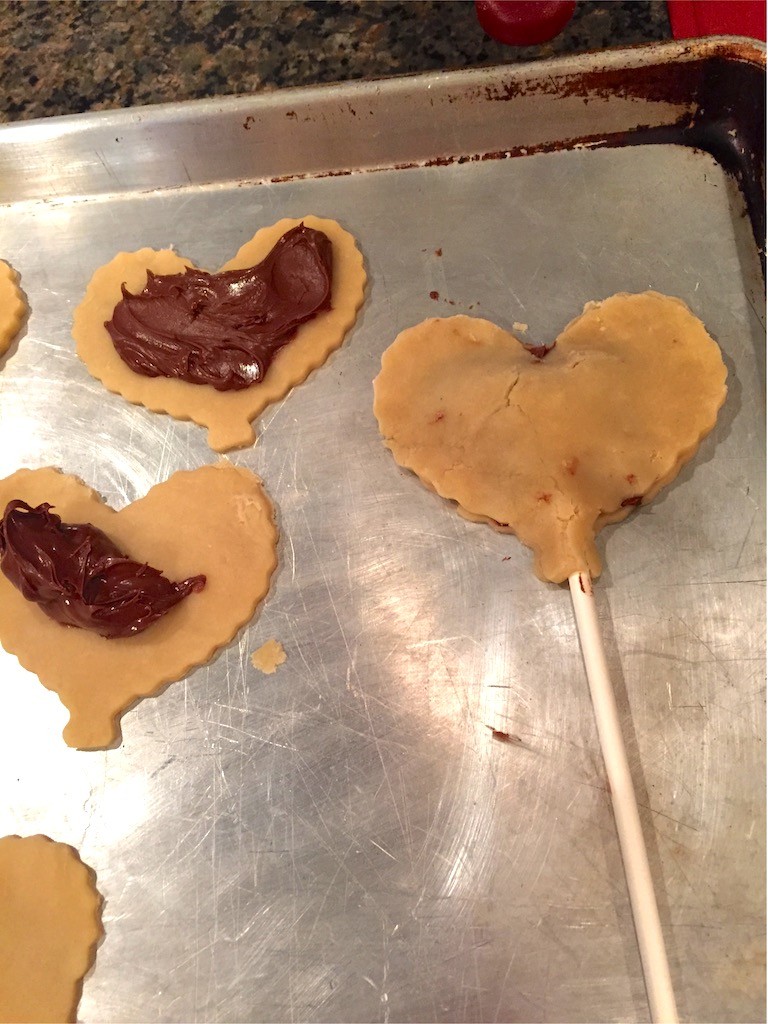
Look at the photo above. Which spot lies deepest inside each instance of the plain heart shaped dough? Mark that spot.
(226, 414)
(12, 306)
(50, 924)
(215, 520)
(553, 448)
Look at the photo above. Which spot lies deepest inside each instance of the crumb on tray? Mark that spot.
(268, 657)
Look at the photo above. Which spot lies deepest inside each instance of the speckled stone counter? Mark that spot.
(64, 57)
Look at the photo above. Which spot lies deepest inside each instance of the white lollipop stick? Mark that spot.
(650, 937)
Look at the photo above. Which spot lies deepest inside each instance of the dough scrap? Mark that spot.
(13, 307)
(268, 657)
(226, 414)
(215, 520)
(553, 449)
(50, 924)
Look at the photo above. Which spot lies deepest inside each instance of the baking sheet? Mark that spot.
(346, 840)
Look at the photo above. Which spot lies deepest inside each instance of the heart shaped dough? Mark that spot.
(12, 306)
(215, 520)
(50, 924)
(553, 447)
(226, 414)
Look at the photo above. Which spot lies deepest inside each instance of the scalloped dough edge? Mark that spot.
(228, 415)
(409, 456)
(98, 680)
(13, 306)
(72, 908)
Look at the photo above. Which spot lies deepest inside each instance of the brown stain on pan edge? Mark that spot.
(666, 82)
(724, 83)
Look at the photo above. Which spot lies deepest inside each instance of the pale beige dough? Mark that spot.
(215, 520)
(551, 449)
(268, 657)
(226, 414)
(50, 924)
(13, 308)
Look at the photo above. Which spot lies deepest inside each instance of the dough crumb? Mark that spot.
(268, 657)
(517, 326)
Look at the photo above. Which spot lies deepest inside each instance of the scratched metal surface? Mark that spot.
(345, 840)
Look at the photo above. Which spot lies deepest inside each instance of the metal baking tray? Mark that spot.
(349, 839)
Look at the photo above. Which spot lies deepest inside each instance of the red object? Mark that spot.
(691, 19)
(524, 22)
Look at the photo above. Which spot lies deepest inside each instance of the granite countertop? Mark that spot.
(68, 56)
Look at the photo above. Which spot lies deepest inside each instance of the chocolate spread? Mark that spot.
(224, 329)
(79, 578)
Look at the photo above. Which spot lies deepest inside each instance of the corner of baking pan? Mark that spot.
(724, 80)
(730, 116)
(718, 85)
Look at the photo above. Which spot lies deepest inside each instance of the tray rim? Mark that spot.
(672, 112)
(735, 48)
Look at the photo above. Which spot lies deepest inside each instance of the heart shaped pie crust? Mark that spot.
(215, 521)
(553, 443)
(226, 414)
(50, 924)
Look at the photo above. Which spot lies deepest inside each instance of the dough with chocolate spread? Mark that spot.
(12, 306)
(217, 392)
(76, 575)
(552, 443)
(50, 924)
(214, 521)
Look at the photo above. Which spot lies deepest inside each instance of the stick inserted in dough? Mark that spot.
(650, 937)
